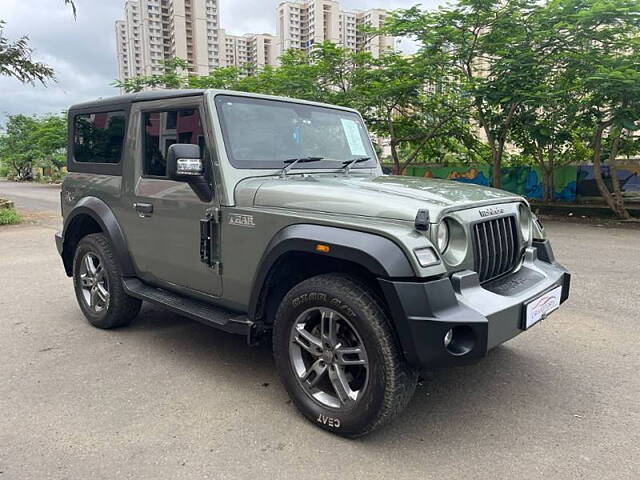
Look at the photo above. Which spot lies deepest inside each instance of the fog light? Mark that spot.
(448, 337)
(459, 340)
(426, 256)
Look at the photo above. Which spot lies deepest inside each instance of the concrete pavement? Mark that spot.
(36, 202)
(170, 398)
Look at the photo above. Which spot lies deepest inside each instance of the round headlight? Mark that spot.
(443, 236)
(525, 222)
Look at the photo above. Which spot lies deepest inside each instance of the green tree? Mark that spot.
(29, 142)
(596, 44)
(51, 140)
(17, 149)
(546, 126)
(174, 75)
(413, 102)
(489, 43)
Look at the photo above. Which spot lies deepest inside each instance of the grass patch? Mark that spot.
(9, 216)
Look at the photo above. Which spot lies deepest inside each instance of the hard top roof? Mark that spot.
(128, 98)
(124, 100)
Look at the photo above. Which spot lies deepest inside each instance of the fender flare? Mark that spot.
(377, 254)
(102, 214)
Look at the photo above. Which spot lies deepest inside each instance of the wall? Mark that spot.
(526, 181)
(586, 184)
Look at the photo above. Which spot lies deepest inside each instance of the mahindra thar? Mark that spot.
(270, 218)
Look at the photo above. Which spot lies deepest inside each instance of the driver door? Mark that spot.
(162, 223)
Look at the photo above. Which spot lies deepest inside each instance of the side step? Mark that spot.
(194, 309)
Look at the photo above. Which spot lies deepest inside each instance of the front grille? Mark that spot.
(495, 247)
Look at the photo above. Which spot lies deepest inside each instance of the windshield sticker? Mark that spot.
(352, 132)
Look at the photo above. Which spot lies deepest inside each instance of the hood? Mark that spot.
(390, 197)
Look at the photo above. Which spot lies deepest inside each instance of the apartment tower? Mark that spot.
(303, 24)
(156, 30)
(251, 51)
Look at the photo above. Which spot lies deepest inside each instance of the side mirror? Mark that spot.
(184, 162)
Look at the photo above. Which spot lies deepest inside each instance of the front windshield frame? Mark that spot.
(328, 164)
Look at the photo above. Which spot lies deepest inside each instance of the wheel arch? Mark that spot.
(292, 256)
(92, 215)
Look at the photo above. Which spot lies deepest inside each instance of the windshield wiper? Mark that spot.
(350, 163)
(292, 162)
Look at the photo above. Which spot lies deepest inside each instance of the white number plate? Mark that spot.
(542, 306)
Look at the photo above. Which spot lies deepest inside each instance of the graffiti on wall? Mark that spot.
(525, 181)
(586, 183)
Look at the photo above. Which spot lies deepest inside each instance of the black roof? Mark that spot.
(121, 100)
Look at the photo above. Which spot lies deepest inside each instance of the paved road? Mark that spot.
(170, 398)
(32, 197)
(37, 202)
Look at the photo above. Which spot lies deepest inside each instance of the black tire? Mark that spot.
(390, 382)
(120, 309)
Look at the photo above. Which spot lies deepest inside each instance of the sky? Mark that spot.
(82, 51)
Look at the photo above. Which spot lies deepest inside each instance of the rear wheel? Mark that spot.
(98, 284)
(337, 356)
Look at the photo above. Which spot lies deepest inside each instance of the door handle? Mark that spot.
(143, 209)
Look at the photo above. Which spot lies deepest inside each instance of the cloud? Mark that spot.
(82, 51)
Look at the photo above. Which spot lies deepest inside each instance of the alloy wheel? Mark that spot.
(94, 283)
(328, 358)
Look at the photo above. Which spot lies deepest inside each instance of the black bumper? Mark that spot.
(485, 315)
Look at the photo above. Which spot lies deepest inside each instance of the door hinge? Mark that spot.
(214, 214)
(205, 241)
(212, 217)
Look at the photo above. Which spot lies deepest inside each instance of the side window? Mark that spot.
(98, 137)
(163, 129)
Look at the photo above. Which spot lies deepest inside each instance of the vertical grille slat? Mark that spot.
(494, 247)
(499, 252)
(504, 260)
(487, 263)
(477, 250)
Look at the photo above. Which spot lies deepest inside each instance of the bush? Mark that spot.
(9, 216)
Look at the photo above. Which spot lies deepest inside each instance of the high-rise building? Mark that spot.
(156, 30)
(251, 51)
(376, 45)
(305, 23)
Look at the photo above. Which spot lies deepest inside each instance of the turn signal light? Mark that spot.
(323, 248)
(426, 256)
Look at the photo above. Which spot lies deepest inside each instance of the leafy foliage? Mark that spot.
(9, 216)
(16, 61)
(30, 142)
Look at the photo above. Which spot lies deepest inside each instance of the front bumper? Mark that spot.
(490, 314)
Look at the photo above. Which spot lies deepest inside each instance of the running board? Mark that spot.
(194, 309)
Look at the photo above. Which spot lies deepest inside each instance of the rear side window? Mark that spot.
(98, 137)
(163, 129)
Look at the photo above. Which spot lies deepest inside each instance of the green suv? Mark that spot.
(271, 218)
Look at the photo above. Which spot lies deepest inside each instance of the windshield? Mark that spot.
(261, 133)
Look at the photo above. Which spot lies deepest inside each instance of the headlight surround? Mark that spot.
(443, 236)
(525, 222)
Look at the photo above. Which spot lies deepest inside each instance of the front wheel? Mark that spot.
(337, 356)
